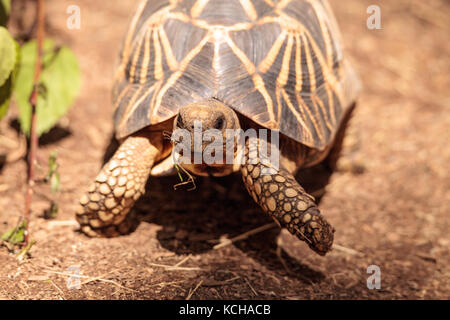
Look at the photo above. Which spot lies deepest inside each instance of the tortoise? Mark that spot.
(227, 64)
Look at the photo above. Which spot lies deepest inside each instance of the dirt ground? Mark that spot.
(395, 214)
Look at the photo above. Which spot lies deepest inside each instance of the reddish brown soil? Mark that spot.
(394, 215)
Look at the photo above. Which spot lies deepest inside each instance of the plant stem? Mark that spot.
(33, 145)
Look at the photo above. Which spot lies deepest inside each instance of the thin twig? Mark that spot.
(182, 261)
(163, 284)
(245, 235)
(62, 223)
(248, 283)
(94, 279)
(279, 253)
(33, 102)
(90, 279)
(346, 250)
(173, 268)
(177, 266)
(59, 289)
(195, 289)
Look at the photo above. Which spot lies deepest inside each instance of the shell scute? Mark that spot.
(279, 63)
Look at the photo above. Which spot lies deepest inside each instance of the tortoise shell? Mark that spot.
(279, 63)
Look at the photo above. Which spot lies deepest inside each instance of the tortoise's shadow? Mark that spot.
(191, 221)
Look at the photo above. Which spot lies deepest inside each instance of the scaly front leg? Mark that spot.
(104, 208)
(280, 196)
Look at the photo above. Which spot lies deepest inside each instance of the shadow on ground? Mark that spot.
(187, 228)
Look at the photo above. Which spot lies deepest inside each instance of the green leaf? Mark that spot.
(25, 252)
(7, 88)
(8, 55)
(52, 212)
(52, 165)
(5, 9)
(15, 235)
(54, 182)
(53, 174)
(58, 86)
(5, 96)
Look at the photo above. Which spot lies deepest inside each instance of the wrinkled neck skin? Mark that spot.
(203, 139)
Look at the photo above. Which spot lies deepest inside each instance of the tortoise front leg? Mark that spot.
(103, 209)
(280, 196)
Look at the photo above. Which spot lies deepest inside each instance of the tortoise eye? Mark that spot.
(220, 123)
(180, 123)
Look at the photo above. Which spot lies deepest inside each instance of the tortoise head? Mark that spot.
(204, 137)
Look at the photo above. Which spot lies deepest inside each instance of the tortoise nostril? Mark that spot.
(180, 123)
(220, 123)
